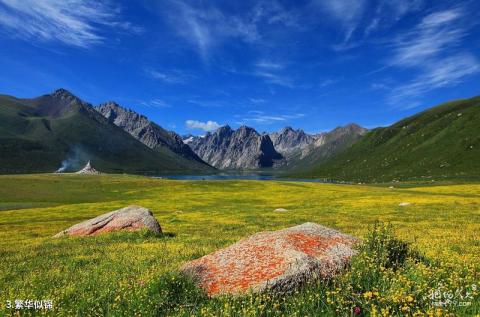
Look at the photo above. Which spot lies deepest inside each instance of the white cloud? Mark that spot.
(73, 22)
(205, 126)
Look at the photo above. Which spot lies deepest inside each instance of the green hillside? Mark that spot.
(37, 135)
(437, 144)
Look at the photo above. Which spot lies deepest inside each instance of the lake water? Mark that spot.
(224, 176)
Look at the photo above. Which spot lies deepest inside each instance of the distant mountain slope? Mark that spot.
(440, 143)
(147, 132)
(326, 145)
(37, 135)
(304, 150)
(243, 148)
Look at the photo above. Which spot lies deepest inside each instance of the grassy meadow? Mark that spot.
(135, 274)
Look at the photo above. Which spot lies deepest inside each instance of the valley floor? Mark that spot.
(132, 273)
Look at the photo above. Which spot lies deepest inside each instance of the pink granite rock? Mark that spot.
(131, 218)
(273, 260)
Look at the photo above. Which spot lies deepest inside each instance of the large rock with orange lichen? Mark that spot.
(131, 218)
(273, 260)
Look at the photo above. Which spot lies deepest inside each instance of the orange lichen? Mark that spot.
(262, 259)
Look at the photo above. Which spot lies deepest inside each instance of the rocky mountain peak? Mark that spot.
(350, 128)
(288, 140)
(59, 102)
(287, 129)
(65, 96)
(61, 92)
(224, 130)
(243, 148)
(147, 132)
(112, 105)
(245, 131)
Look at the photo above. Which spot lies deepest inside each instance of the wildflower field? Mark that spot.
(422, 259)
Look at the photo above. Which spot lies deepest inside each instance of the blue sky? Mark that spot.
(191, 66)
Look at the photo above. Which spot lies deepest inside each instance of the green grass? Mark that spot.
(441, 143)
(126, 274)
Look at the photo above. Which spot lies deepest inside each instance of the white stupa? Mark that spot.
(88, 169)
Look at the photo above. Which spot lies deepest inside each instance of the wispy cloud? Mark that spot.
(266, 64)
(346, 12)
(257, 100)
(272, 12)
(206, 27)
(72, 22)
(274, 78)
(357, 20)
(209, 103)
(261, 117)
(431, 49)
(446, 72)
(327, 82)
(271, 72)
(170, 77)
(389, 12)
(436, 33)
(205, 126)
(156, 103)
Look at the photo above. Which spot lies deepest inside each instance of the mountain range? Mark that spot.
(147, 132)
(243, 148)
(300, 148)
(440, 143)
(59, 131)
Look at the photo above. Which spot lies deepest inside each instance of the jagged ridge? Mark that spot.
(243, 148)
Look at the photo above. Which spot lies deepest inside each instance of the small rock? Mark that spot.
(280, 210)
(391, 187)
(273, 260)
(404, 204)
(131, 218)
